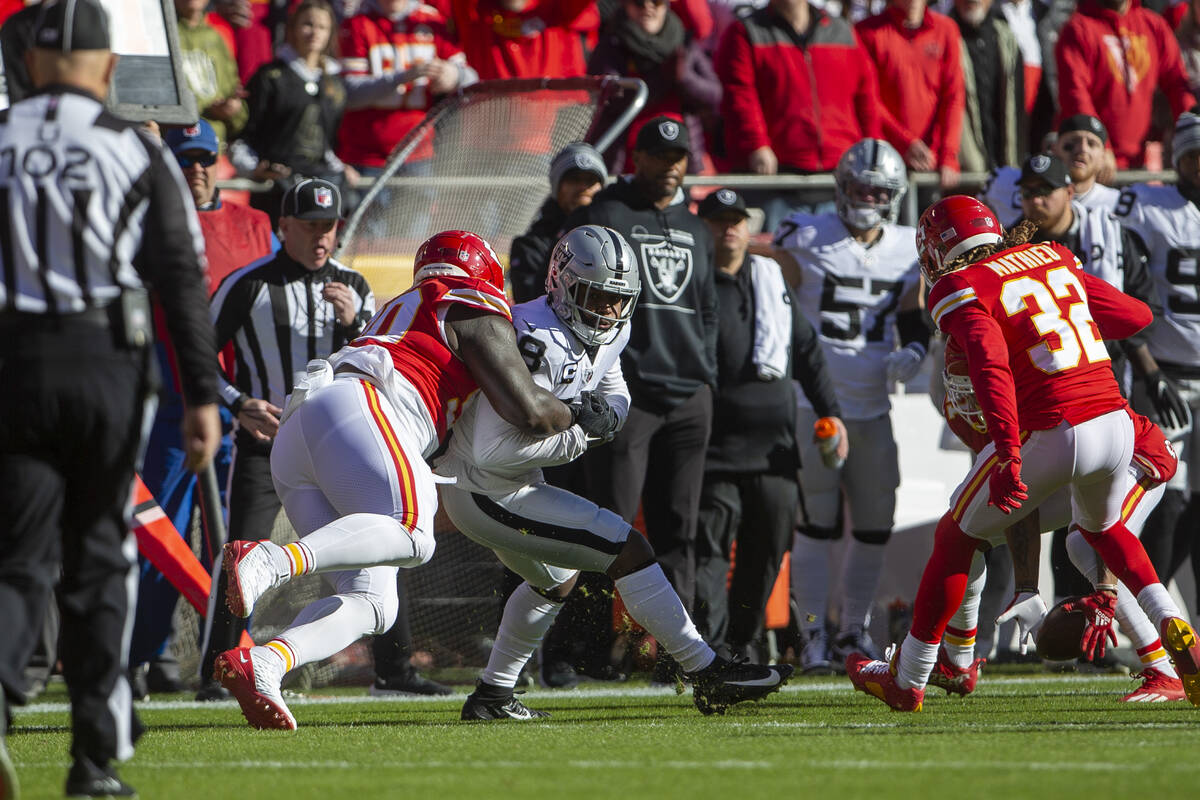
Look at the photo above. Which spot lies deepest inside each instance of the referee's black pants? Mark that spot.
(73, 411)
(658, 458)
(253, 506)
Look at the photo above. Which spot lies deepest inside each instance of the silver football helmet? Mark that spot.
(593, 270)
(869, 182)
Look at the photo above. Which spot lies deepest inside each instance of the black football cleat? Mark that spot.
(86, 780)
(724, 683)
(410, 682)
(489, 703)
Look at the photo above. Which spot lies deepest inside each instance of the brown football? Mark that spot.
(1058, 638)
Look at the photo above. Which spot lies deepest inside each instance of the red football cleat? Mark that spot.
(953, 678)
(1181, 643)
(878, 678)
(1157, 687)
(254, 681)
(249, 573)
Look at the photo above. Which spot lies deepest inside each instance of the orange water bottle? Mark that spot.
(828, 437)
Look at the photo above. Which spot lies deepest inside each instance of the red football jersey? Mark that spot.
(410, 328)
(1032, 325)
(1151, 450)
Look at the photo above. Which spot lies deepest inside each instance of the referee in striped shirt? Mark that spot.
(92, 214)
(279, 312)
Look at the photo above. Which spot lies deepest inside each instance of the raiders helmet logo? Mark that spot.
(726, 197)
(323, 197)
(669, 129)
(1039, 163)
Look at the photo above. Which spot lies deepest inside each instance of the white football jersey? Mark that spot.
(850, 293)
(1002, 195)
(1170, 226)
(490, 456)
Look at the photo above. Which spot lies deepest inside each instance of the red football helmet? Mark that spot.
(951, 227)
(460, 253)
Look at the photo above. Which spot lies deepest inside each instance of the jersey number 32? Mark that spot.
(1070, 322)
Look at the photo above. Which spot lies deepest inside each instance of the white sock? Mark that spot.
(364, 540)
(959, 638)
(1157, 604)
(916, 662)
(810, 579)
(1142, 633)
(860, 580)
(328, 626)
(653, 604)
(527, 617)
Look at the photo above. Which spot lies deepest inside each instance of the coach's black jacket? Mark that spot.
(672, 349)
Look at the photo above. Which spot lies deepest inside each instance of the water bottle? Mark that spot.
(828, 438)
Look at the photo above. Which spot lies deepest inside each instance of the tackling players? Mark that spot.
(348, 461)
(859, 278)
(571, 341)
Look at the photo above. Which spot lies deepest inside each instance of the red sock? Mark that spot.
(1124, 555)
(944, 581)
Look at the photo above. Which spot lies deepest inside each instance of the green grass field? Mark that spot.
(1055, 736)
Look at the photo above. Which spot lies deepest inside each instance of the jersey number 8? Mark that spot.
(1075, 334)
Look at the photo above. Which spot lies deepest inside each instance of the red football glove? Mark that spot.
(1099, 608)
(1005, 489)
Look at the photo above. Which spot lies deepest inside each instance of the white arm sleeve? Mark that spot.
(499, 446)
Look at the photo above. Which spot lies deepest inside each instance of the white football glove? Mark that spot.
(1028, 610)
(903, 364)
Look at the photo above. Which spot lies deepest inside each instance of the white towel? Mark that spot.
(318, 375)
(772, 318)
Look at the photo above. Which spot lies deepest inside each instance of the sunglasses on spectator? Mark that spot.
(644, 3)
(1038, 190)
(196, 157)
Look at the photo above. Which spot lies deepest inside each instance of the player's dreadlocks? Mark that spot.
(1020, 233)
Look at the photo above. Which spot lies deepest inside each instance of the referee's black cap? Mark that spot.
(312, 198)
(69, 25)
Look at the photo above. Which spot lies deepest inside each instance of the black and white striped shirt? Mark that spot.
(273, 312)
(89, 208)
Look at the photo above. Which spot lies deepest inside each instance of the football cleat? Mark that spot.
(814, 653)
(1157, 687)
(479, 706)
(250, 572)
(409, 682)
(86, 779)
(1181, 643)
(254, 681)
(953, 678)
(725, 682)
(856, 641)
(878, 679)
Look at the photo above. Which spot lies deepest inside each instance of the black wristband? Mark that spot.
(236, 405)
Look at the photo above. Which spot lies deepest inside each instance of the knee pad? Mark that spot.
(872, 537)
(385, 607)
(819, 532)
(1084, 556)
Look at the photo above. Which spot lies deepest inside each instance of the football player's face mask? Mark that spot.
(593, 283)
(869, 182)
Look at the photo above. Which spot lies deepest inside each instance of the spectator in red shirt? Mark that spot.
(408, 41)
(1111, 56)
(646, 40)
(525, 38)
(799, 90)
(918, 59)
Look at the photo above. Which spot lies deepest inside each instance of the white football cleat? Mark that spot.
(254, 680)
(250, 572)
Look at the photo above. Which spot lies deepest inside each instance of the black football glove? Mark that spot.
(1172, 411)
(599, 421)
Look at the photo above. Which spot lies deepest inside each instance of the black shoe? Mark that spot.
(137, 682)
(557, 675)
(667, 672)
(163, 677)
(211, 691)
(492, 703)
(88, 780)
(724, 683)
(8, 773)
(411, 682)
